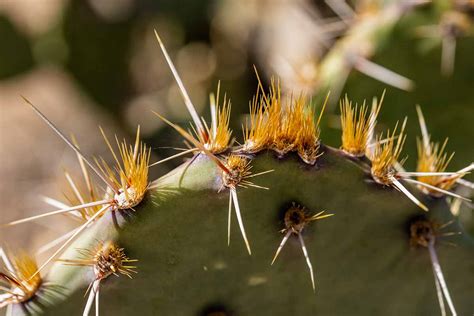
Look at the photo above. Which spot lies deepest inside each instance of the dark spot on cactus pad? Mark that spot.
(216, 309)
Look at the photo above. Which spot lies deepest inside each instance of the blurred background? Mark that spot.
(87, 63)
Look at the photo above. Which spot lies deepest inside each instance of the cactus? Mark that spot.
(388, 243)
(179, 237)
(175, 230)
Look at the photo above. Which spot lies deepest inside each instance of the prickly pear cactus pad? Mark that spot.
(184, 265)
(270, 219)
(319, 229)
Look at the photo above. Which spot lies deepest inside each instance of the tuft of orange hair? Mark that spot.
(106, 258)
(282, 129)
(434, 158)
(129, 177)
(357, 126)
(386, 154)
(24, 282)
(219, 133)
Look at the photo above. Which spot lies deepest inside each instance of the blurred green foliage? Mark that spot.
(15, 50)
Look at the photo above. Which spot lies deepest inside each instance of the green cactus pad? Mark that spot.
(362, 258)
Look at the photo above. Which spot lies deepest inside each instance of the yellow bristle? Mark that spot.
(130, 176)
(291, 119)
(110, 259)
(256, 135)
(434, 158)
(307, 140)
(274, 106)
(237, 162)
(238, 169)
(356, 126)
(220, 138)
(386, 154)
(298, 131)
(237, 172)
(106, 258)
(265, 117)
(25, 269)
(24, 283)
(282, 129)
(274, 109)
